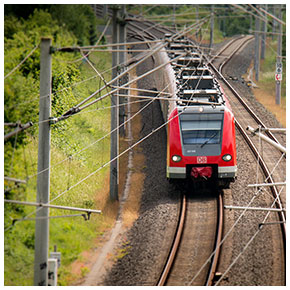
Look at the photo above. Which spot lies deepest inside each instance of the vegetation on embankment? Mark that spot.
(72, 81)
(266, 91)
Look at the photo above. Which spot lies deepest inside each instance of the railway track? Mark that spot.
(182, 258)
(196, 237)
(272, 162)
(198, 233)
(245, 117)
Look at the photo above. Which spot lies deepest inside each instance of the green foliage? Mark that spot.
(69, 16)
(21, 97)
(79, 19)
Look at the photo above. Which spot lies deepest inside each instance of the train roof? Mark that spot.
(196, 83)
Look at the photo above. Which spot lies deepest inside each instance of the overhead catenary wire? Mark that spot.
(107, 163)
(101, 138)
(88, 79)
(255, 195)
(114, 158)
(272, 16)
(82, 149)
(75, 108)
(249, 241)
(101, 36)
(22, 62)
(121, 154)
(130, 147)
(78, 107)
(263, 18)
(104, 45)
(137, 143)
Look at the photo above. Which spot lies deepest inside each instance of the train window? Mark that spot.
(201, 137)
(203, 130)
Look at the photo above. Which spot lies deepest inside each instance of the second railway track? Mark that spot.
(198, 237)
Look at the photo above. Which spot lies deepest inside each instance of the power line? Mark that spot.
(78, 107)
(104, 164)
(82, 149)
(255, 195)
(48, 205)
(22, 62)
(249, 241)
(107, 163)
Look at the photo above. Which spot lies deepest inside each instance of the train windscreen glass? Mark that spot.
(201, 128)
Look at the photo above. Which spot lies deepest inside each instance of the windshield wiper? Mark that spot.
(209, 139)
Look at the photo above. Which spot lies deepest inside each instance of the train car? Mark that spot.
(201, 143)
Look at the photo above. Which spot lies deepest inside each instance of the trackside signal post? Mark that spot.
(43, 169)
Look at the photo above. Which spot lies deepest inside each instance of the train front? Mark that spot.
(201, 145)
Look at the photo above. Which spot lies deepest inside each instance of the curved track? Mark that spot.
(272, 158)
(186, 255)
(272, 162)
(198, 233)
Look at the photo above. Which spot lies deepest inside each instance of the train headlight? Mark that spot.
(176, 158)
(227, 157)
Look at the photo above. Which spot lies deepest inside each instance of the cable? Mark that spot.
(22, 62)
(155, 130)
(255, 195)
(78, 107)
(107, 163)
(249, 241)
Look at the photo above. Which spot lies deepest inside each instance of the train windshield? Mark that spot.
(201, 128)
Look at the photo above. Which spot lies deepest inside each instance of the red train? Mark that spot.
(201, 141)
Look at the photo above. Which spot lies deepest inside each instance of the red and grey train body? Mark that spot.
(201, 142)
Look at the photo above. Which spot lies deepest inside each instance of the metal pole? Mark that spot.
(114, 166)
(211, 25)
(264, 35)
(267, 139)
(257, 48)
(122, 60)
(196, 17)
(43, 178)
(274, 22)
(279, 58)
(174, 22)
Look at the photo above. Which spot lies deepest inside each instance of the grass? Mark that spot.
(71, 235)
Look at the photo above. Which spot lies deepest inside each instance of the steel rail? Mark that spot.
(225, 47)
(269, 178)
(175, 245)
(241, 100)
(215, 258)
(243, 43)
(255, 151)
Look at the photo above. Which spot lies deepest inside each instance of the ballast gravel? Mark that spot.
(147, 242)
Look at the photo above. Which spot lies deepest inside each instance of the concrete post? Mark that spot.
(43, 178)
(114, 166)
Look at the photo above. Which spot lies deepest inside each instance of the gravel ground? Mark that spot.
(149, 238)
(260, 264)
